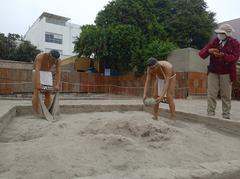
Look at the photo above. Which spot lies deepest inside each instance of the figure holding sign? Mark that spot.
(42, 78)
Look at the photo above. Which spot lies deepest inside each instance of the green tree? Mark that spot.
(187, 22)
(13, 47)
(115, 45)
(120, 45)
(26, 52)
(159, 49)
(3, 48)
(127, 32)
(92, 40)
(128, 12)
(8, 45)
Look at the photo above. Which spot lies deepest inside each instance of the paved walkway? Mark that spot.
(199, 106)
(194, 106)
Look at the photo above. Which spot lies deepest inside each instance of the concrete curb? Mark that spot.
(210, 170)
(226, 125)
(6, 118)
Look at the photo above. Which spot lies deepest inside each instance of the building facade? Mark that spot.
(235, 23)
(52, 31)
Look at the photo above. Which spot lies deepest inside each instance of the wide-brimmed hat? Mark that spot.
(225, 29)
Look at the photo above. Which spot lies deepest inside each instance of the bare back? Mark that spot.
(164, 70)
(43, 62)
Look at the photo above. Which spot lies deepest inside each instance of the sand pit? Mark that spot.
(109, 145)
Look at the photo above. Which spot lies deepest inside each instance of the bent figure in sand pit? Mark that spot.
(42, 78)
(164, 77)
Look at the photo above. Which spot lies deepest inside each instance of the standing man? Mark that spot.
(164, 78)
(224, 52)
(42, 69)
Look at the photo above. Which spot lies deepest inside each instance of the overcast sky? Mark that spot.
(17, 15)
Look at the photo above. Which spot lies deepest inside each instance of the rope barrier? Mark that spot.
(69, 87)
(84, 85)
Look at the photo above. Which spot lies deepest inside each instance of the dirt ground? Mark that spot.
(103, 144)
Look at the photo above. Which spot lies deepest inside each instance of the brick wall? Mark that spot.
(197, 83)
(14, 81)
(18, 80)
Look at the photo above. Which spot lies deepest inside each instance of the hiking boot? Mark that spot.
(211, 114)
(226, 116)
(155, 118)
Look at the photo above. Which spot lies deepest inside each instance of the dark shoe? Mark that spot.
(226, 116)
(211, 114)
(155, 118)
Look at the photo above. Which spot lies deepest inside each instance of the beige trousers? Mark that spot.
(219, 83)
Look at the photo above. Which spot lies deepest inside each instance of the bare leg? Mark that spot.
(155, 111)
(171, 107)
(35, 101)
(170, 98)
(156, 106)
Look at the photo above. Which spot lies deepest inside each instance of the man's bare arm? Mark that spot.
(58, 75)
(36, 73)
(147, 84)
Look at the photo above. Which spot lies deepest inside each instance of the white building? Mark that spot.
(235, 23)
(52, 31)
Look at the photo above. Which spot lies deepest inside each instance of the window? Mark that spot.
(53, 38)
(55, 21)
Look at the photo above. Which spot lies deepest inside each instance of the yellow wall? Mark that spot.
(82, 64)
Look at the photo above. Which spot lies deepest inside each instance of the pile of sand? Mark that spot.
(108, 145)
